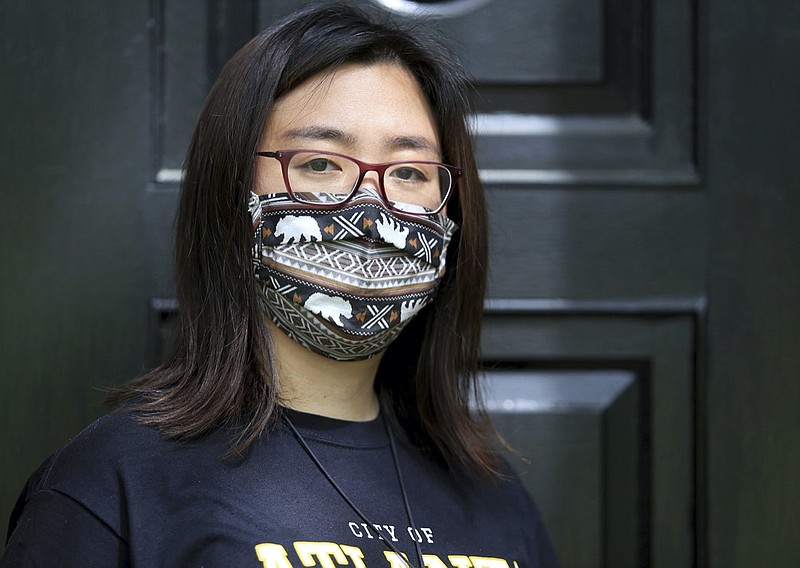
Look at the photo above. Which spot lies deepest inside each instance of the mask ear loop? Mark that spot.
(347, 499)
(256, 214)
(254, 206)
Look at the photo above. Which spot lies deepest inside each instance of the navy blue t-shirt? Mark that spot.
(119, 494)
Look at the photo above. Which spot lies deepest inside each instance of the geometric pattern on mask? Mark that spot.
(312, 333)
(352, 265)
(418, 244)
(428, 249)
(281, 222)
(354, 315)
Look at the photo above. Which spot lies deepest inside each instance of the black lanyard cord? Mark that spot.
(349, 501)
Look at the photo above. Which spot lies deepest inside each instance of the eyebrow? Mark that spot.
(414, 143)
(317, 132)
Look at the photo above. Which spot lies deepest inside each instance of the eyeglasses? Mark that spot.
(413, 187)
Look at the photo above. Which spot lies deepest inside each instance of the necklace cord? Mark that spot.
(349, 501)
(392, 445)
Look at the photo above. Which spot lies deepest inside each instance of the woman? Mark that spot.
(331, 260)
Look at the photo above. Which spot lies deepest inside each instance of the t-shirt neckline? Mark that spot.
(335, 431)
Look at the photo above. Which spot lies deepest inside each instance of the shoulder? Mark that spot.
(504, 488)
(496, 515)
(111, 464)
(511, 510)
(526, 517)
(107, 444)
(78, 485)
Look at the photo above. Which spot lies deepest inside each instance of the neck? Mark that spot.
(312, 383)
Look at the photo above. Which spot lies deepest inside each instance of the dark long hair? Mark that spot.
(222, 371)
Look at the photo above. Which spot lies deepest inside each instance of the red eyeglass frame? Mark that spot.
(285, 156)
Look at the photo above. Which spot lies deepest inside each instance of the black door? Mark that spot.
(642, 328)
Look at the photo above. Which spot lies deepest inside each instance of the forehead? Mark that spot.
(356, 105)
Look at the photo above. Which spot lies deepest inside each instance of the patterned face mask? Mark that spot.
(344, 282)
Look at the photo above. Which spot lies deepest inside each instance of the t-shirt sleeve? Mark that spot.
(529, 517)
(53, 529)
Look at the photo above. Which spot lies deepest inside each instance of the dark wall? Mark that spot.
(752, 400)
(73, 166)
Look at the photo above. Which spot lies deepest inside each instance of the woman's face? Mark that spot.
(374, 113)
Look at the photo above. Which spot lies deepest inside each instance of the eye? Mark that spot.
(319, 165)
(409, 172)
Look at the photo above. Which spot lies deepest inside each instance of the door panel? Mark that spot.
(635, 375)
(580, 443)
